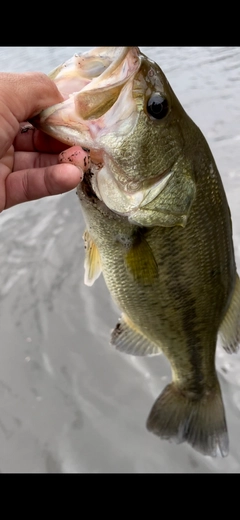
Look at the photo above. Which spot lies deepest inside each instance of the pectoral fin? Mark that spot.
(229, 331)
(126, 338)
(92, 264)
(140, 262)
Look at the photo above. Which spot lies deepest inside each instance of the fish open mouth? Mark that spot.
(91, 85)
(104, 95)
(97, 91)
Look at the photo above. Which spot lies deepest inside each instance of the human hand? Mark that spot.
(30, 166)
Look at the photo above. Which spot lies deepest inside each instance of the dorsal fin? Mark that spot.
(92, 263)
(229, 330)
(126, 338)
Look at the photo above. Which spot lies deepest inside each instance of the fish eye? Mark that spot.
(157, 106)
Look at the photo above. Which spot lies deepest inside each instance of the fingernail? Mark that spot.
(25, 128)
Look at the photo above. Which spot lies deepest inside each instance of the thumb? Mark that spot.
(21, 97)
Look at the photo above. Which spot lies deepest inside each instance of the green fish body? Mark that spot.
(158, 227)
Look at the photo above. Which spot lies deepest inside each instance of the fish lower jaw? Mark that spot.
(89, 190)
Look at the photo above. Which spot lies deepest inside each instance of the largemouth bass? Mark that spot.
(158, 227)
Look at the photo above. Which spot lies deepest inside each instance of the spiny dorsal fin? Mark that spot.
(141, 263)
(126, 338)
(229, 330)
(92, 263)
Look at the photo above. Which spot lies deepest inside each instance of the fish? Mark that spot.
(159, 229)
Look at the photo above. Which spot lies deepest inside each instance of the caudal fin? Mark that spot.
(200, 422)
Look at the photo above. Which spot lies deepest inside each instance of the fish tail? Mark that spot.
(178, 416)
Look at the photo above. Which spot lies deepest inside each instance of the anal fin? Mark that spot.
(229, 330)
(126, 338)
(92, 264)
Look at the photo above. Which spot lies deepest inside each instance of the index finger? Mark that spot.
(21, 97)
(28, 93)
